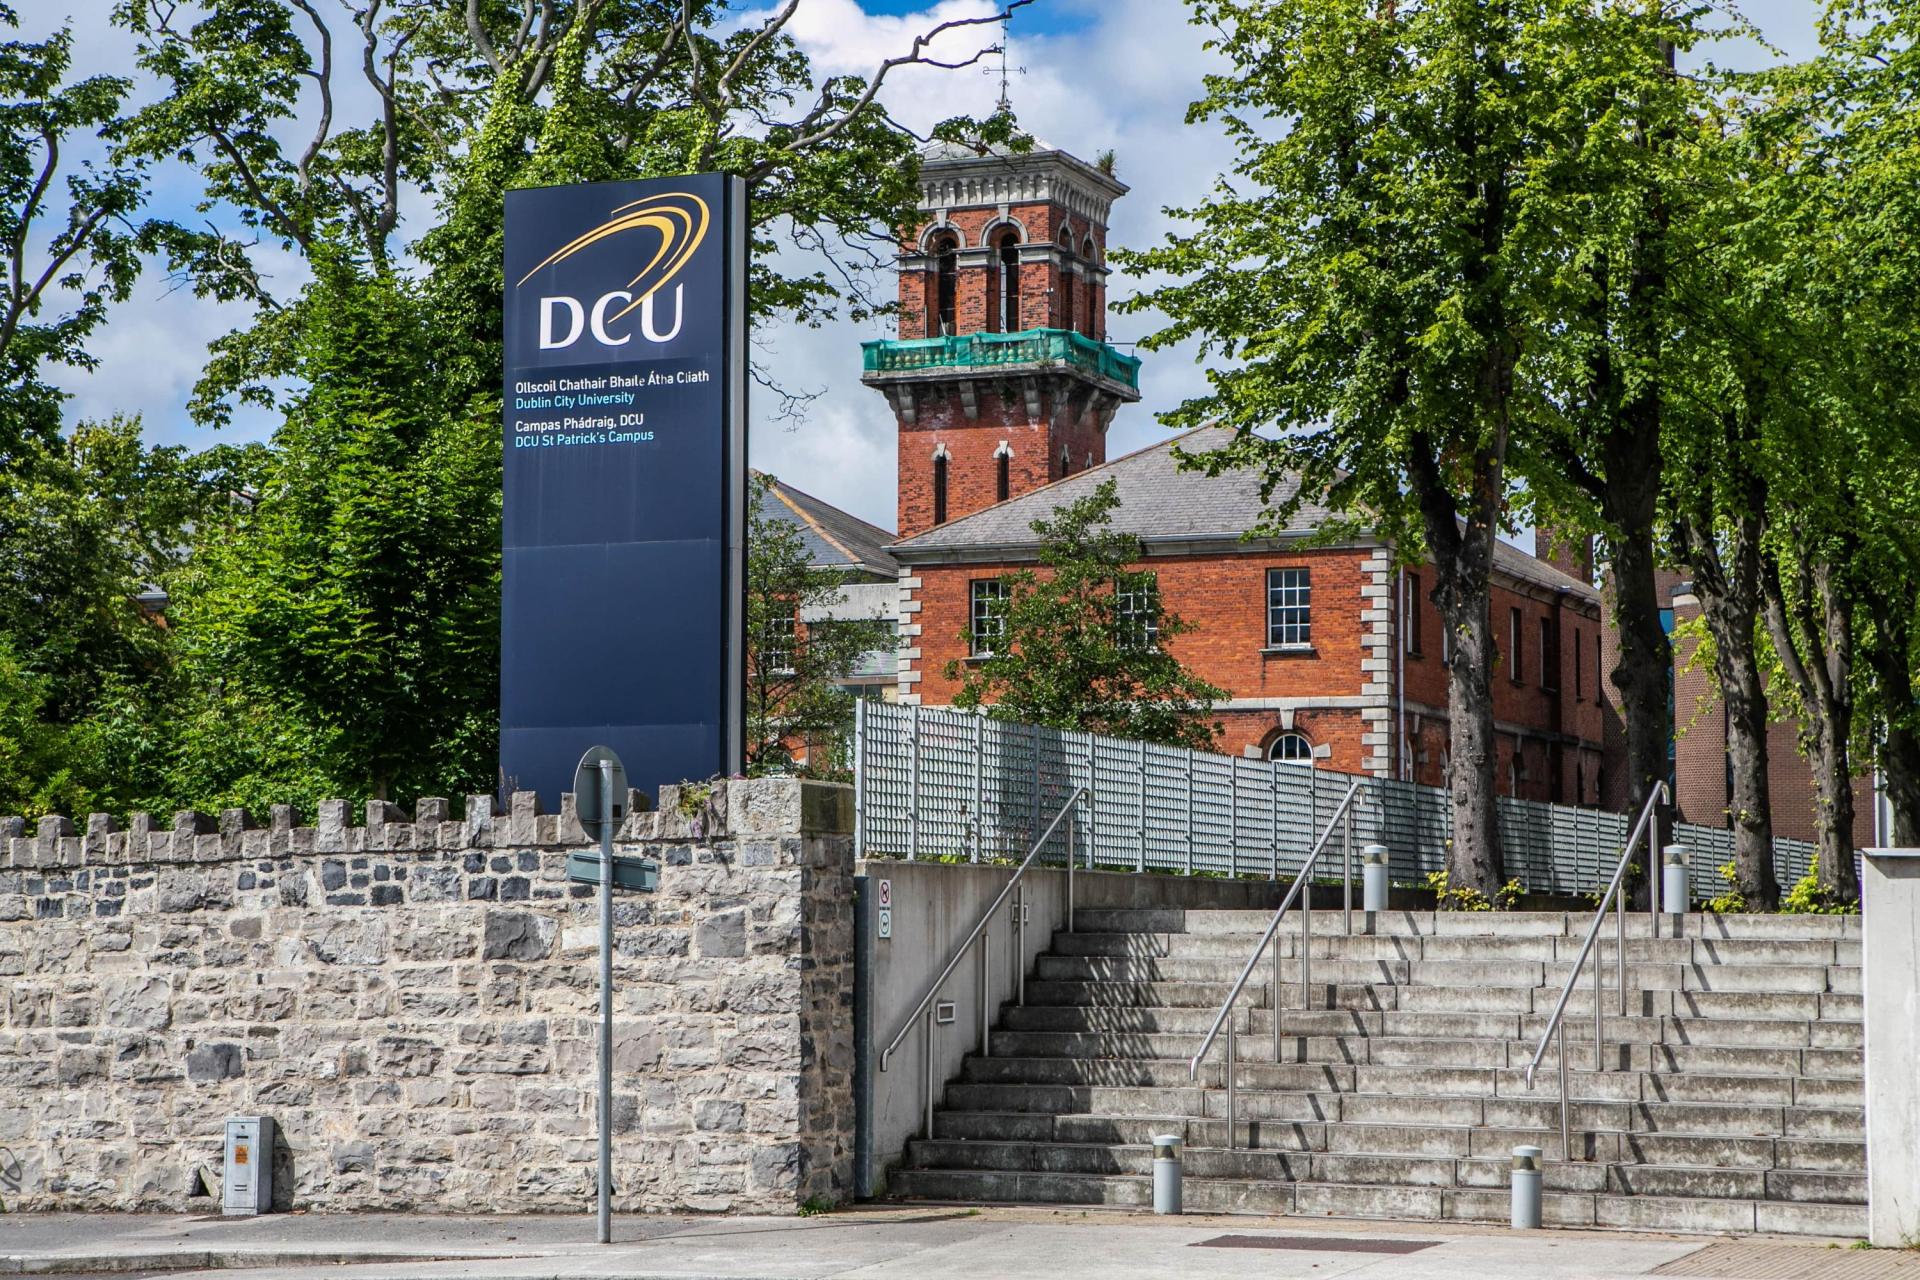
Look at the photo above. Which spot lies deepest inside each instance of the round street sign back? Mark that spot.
(586, 789)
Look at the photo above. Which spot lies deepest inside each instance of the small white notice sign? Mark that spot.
(884, 928)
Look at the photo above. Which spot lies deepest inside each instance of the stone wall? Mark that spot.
(414, 1003)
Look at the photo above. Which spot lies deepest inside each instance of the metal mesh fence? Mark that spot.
(952, 785)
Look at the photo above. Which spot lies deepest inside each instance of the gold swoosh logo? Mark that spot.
(681, 220)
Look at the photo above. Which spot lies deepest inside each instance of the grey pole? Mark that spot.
(1276, 997)
(1232, 1141)
(1306, 940)
(986, 996)
(606, 1002)
(1346, 876)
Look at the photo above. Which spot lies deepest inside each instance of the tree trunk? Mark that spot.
(1751, 812)
(1813, 637)
(1729, 591)
(1900, 751)
(1474, 861)
(1463, 564)
(1642, 679)
(1833, 787)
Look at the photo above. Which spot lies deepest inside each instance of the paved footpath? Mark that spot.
(922, 1242)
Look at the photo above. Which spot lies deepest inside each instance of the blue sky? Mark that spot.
(1097, 74)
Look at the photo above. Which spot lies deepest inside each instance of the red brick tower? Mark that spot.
(1001, 379)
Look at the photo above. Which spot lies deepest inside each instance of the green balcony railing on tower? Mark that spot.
(988, 350)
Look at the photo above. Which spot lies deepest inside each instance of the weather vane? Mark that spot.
(1005, 105)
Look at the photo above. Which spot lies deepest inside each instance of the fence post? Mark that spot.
(1142, 793)
(1189, 810)
(1233, 818)
(1093, 819)
(1033, 819)
(1273, 841)
(913, 782)
(979, 792)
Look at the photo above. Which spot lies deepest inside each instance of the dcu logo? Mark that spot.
(660, 234)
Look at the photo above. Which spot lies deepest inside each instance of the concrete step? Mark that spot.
(1507, 973)
(1375, 1168)
(1504, 924)
(1837, 1070)
(1731, 1098)
(1207, 1195)
(1422, 1138)
(1208, 995)
(1254, 1075)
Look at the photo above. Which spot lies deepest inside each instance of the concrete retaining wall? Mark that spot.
(414, 1003)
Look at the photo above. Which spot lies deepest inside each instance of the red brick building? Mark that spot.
(1003, 386)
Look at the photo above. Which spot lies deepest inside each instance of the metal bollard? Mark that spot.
(1373, 882)
(1526, 1188)
(1673, 879)
(1166, 1173)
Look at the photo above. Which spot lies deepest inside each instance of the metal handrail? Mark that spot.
(1614, 898)
(1302, 889)
(923, 1011)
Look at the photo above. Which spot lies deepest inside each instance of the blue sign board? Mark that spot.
(624, 526)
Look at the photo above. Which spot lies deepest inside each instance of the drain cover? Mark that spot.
(1315, 1244)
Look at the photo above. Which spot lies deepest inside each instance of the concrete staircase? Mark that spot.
(1731, 1099)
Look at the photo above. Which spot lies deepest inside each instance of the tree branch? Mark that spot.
(325, 81)
(723, 88)
(915, 55)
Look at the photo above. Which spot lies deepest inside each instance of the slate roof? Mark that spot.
(1164, 505)
(831, 536)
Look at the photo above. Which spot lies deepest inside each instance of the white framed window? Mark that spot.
(782, 638)
(1136, 613)
(1289, 608)
(986, 616)
(1291, 747)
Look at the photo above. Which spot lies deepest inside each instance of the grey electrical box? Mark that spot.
(246, 1182)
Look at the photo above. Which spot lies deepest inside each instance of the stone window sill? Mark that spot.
(1289, 651)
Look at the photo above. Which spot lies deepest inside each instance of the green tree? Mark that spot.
(356, 592)
(1082, 641)
(95, 531)
(1621, 187)
(794, 667)
(1371, 281)
(69, 239)
(351, 614)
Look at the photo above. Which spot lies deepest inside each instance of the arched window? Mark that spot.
(1002, 476)
(946, 255)
(1093, 318)
(1009, 282)
(1066, 463)
(1066, 279)
(1291, 748)
(940, 488)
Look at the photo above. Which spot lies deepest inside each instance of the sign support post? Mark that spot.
(599, 778)
(606, 1001)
